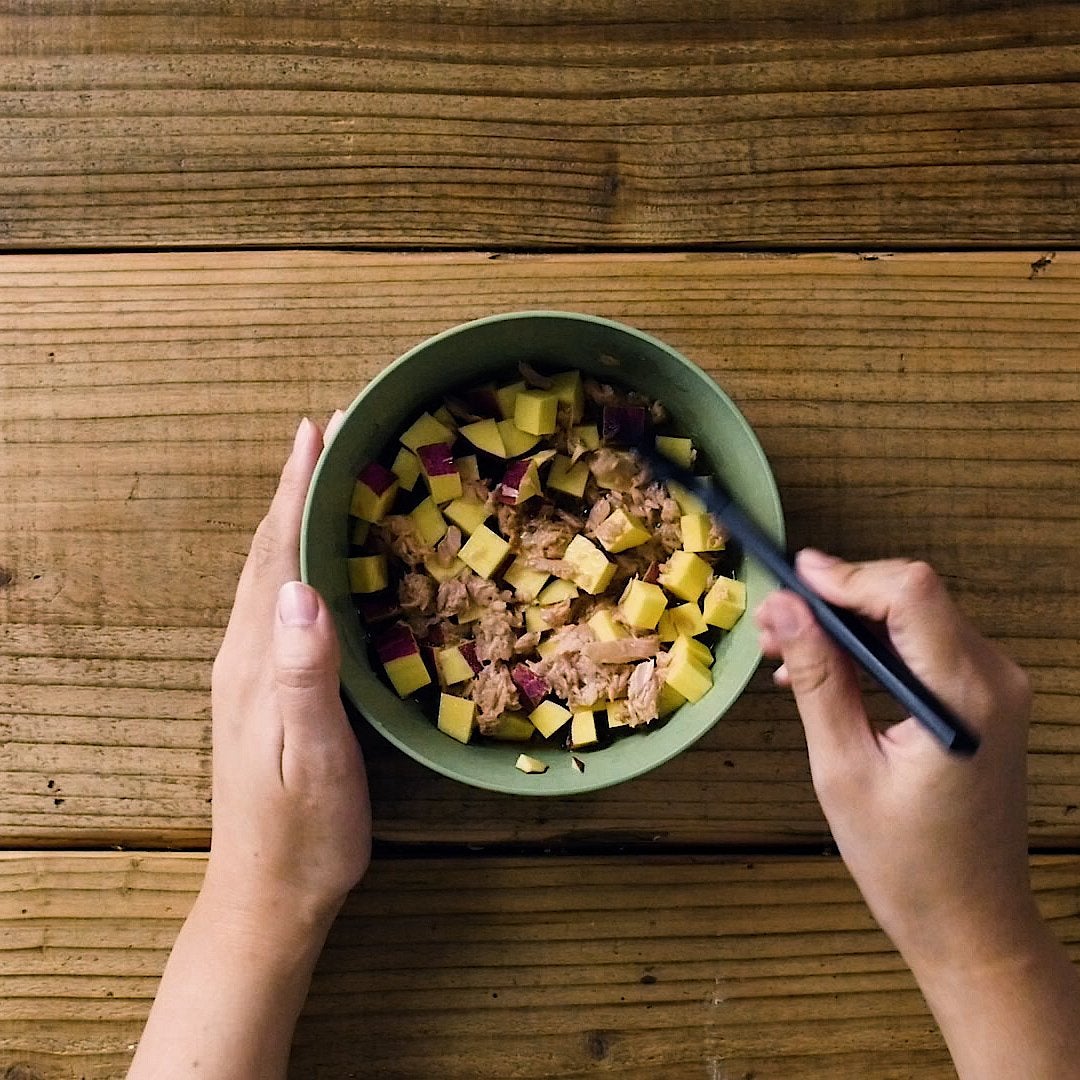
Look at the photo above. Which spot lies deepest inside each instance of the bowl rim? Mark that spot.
(572, 785)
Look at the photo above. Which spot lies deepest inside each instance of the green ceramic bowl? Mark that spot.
(470, 354)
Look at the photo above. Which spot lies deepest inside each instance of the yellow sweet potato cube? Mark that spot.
(452, 666)
(467, 513)
(569, 477)
(425, 431)
(484, 551)
(535, 411)
(685, 575)
(689, 503)
(570, 390)
(525, 582)
(407, 673)
(548, 717)
(688, 677)
(621, 531)
(555, 592)
(697, 651)
(406, 468)
(676, 449)
(699, 533)
(605, 626)
(513, 727)
(527, 764)
(368, 573)
(457, 717)
(616, 714)
(687, 619)
(665, 628)
(587, 434)
(373, 503)
(725, 602)
(642, 603)
(515, 440)
(445, 417)
(506, 396)
(428, 521)
(535, 622)
(443, 573)
(485, 435)
(583, 729)
(668, 701)
(591, 569)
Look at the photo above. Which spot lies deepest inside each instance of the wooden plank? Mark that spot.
(507, 967)
(924, 405)
(603, 122)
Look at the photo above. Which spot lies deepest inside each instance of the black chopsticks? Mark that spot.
(847, 629)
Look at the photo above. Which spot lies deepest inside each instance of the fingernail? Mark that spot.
(301, 431)
(297, 604)
(787, 622)
(813, 557)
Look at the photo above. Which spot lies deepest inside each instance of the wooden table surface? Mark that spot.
(857, 217)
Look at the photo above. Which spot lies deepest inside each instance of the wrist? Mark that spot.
(266, 919)
(971, 943)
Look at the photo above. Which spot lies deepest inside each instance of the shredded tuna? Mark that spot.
(670, 510)
(398, 537)
(477, 491)
(572, 638)
(618, 469)
(546, 538)
(527, 642)
(578, 679)
(494, 692)
(416, 592)
(420, 624)
(599, 512)
(494, 636)
(607, 532)
(447, 548)
(452, 597)
(556, 615)
(559, 567)
(622, 650)
(643, 694)
(485, 593)
(509, 520)
(669, 535)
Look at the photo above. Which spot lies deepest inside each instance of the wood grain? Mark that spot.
(765, 968)
(606, 123)
(923, 405)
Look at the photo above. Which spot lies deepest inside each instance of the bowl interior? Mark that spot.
(469, 354)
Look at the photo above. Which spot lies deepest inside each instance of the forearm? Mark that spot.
(229, 998)
(1016, 1016)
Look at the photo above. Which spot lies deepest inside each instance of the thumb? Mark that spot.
(305, 657)
(821, 677)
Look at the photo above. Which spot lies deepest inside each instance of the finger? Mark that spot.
(782, 678)
(767, 640)
(822, 679)
(274, 557)
(924, 625)
(332, 426)
(305, 656)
